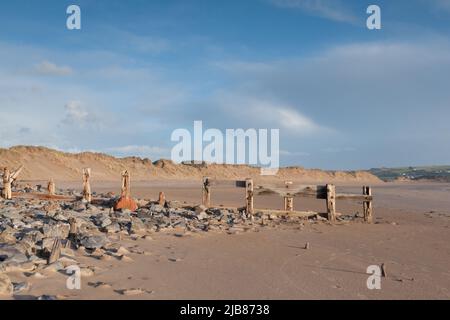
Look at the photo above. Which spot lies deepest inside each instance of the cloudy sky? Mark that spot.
(342, 96)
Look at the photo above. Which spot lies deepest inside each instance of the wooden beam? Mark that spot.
(299, 214)
(367, 205)
(344, 196)
(331, 202)
(318, 192)
(87, 194)
(206, 192)
(249, 196)
(56, 251)
(288, 203)
(7, 192)
(51, 188)
(227, 183)
(162, 199)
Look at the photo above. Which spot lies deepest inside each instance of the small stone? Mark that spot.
(21, 286)
(93, 241)
(6, 286)
(47, 297)
(125, 258)
(100, 285)
(86, 272)
(131, 292)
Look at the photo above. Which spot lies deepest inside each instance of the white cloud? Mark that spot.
(49, 68)
(329, 9)
(76, 114)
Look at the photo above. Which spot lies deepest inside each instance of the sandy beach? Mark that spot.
(410, 235)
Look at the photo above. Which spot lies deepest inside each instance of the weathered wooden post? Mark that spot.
(367, 205)
(87, 194)
(288, 203)
(162, 199)
(206, 192)
(249, 196)
(56, 251)
(7, 192)
(125, 201)
(125, 191)
(8, 179)
(51, 188)
(331, 202)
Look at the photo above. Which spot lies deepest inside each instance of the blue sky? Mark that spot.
(342, 96)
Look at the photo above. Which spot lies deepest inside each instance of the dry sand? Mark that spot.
(410, 235)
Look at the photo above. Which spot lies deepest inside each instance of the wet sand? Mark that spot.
(410, 235)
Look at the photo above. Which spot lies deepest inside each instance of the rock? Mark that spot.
(93, 241)
(131, 292)
(11, 254)
(79, 206)
(21, 286)
(125, 258)
(47, 297)
(112, 228)
(102, 221)
(59, 230)
(156, 208)
(173, 204)
(202, 216)
(7, 237)
(86, 272)
(100, 285)
(199, 209)
(137, 226)
(6, 286)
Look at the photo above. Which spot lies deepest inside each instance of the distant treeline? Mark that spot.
(436, 173)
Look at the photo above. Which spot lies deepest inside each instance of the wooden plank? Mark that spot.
(331, 202)
(87, 194)
(206, 192)
(289, 204)
(227, 183)
(300, 214)
(318, 192)
(367, 205)
(56, 251)
(249, 195)
(344, 196)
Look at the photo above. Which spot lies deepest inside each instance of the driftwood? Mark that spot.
(331, 202)
(87, 194)
(51, 188)
(162, 199)
(206, 192)
(56, 251)
(249, 196)
(8, 178)
(367, 205)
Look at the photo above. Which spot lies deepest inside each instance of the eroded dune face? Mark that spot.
(42, 164)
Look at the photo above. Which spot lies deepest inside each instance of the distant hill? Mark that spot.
(434, 173)
(43, 163)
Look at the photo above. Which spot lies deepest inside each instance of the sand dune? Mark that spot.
(43, 163)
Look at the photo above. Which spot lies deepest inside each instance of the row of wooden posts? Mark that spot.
(327, 192)
(288, 191)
